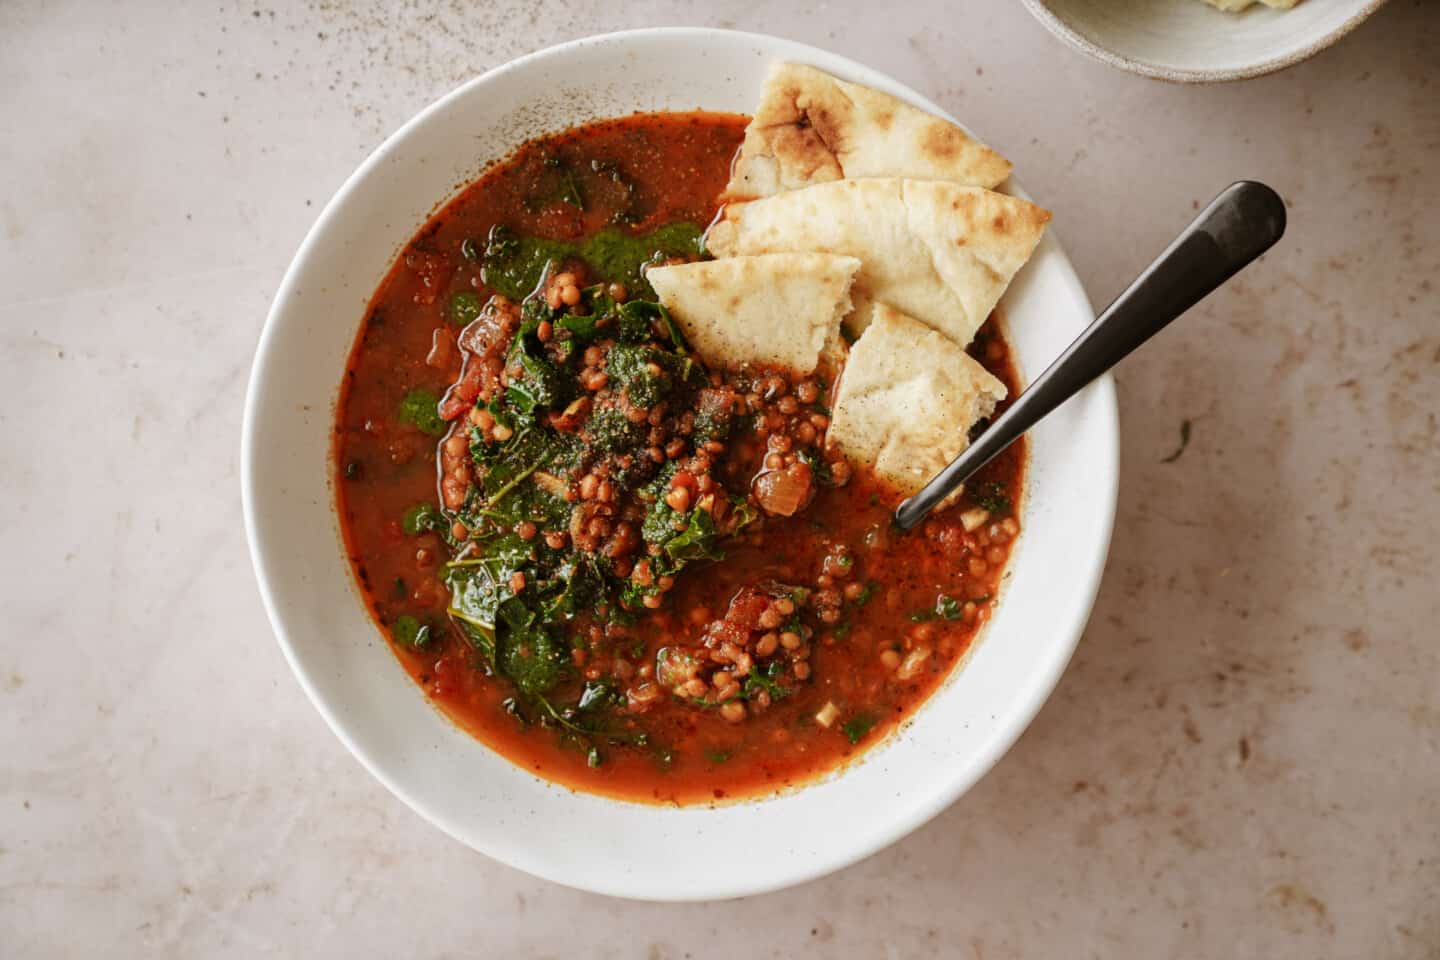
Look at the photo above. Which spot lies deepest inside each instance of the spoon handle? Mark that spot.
(1244, 221)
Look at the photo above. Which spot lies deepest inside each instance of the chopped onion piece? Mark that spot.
(782, 493)
(974, 518)
(912, 663)
(828, 714)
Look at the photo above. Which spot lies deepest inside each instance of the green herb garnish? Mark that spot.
(411, 632)
(420, 409)
(857, 726)
(764, 680)
(464, 308)
(991, 496)
(422, 518)
(819, 468)
(515, 265)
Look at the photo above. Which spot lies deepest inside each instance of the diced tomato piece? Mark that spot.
(461, 397)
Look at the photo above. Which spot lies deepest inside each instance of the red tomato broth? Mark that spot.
(678, 164)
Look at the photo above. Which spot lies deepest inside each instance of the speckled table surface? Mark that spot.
(1240, 762)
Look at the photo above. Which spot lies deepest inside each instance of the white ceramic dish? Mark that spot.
(1191, 42)
(475, 795)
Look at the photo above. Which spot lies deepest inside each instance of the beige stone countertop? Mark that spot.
(1240, 762)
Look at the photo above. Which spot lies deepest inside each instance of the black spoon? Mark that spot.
(1244, 221)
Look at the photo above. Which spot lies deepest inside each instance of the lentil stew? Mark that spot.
(623, 569)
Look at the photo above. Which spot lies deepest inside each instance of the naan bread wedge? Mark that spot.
(938, 251)
(811, 127)
(782, 308)
(907, 399)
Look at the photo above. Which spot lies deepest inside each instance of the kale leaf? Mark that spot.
(476, 592)
(505, 468)
(581, 586)
(695, 542)
(528, 653)
(599, 695)
(540, 385)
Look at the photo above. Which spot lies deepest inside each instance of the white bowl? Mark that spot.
(1192, 42)
(477, 796)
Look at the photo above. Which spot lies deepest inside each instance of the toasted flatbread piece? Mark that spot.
(907, 399)
(938, 251)
(811, 127)
(782, 309)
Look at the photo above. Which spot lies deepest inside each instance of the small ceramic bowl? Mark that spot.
(474, 794)
(1191, 42)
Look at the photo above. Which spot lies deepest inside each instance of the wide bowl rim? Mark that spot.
(1060, 27)
(1089, 569)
